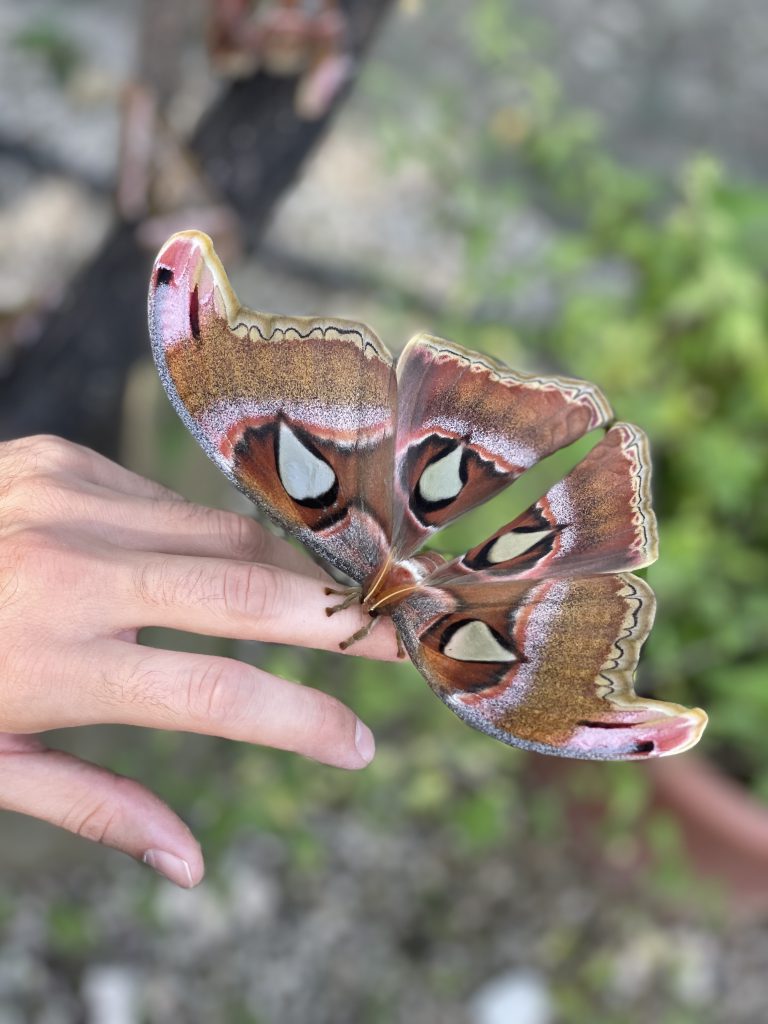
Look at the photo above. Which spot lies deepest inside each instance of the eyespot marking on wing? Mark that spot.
(443, 478)
(473, 640)
(304, 473)
(514, 543)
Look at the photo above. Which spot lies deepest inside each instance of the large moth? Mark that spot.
(532, 636)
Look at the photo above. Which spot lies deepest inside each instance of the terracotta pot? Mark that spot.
(724, 829)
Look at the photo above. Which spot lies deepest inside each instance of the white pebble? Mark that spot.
(110, 993)
(520, 996)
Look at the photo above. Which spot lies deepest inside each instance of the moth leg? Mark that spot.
(361, 634)
(401, 652)
(350, 595)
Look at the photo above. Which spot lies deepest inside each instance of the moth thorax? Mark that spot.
(391, 585)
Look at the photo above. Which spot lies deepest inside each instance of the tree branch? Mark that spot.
(251, 146)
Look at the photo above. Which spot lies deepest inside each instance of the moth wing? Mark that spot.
(467, 427)
(597, 519)
(546, 665)
(297, 412)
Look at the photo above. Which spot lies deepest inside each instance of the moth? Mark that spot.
(533, 635)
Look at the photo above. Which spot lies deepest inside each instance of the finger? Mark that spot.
(118, 682)
(109, 474)
(243, 600)
(171, 527)
(190, 529)
(155, 524)
(97, 805)
(49, 454)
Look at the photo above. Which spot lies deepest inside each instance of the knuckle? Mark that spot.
(220, 692)
(239, 591)
(42, 452)
(20, 461)
(144, 684)
(245, 539)
(95, 818)
(253, 590)
(147, 582)
(33, 496)
(54, 453)
(26, 564)
(18, 489)
(320, 719)
(9, 588)
(34, 489)
(24, 682)
(234, 590)
(156, 583)
(31, 550)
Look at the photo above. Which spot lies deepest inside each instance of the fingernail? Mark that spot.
(169, 866)
(364, 741)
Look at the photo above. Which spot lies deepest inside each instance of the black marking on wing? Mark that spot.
(643, 469)
(602, 725)
(645, 747)
(194, 313)
(366, 342)
(626, 635)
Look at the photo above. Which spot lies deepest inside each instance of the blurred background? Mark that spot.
(575, 186)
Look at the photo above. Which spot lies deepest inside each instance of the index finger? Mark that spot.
(51, 454)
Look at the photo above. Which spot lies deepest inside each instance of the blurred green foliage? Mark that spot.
(71, 929)
(47, 40)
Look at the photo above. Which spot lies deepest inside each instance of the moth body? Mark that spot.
(534, 634)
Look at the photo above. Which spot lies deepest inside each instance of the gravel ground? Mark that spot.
(389, 927)
(385, 926)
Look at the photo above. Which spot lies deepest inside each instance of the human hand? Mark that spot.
(89, 554)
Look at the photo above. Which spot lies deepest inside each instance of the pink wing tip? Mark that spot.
(182, 262)
(677, 734)
(653, 735)
(188, 285)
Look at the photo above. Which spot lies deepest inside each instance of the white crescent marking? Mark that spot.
(303, 474)
(474, 641)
